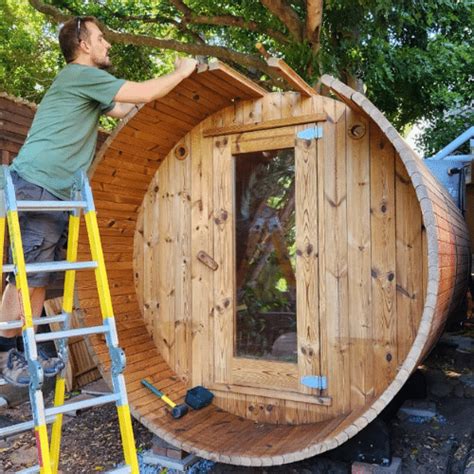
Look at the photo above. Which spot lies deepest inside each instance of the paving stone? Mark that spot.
(469, 469)
(24, 456)
(441, 389)
(364, 468)
(463, 343)
(468, 384)
(419, 408)
(459, 391)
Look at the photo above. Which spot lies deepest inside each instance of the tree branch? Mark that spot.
(49, 10)
(249, 61)
(221, 20)
(314, 16)
(181, 26)
(229, 20)
(286, 15)
(179, 4)
(226, 20)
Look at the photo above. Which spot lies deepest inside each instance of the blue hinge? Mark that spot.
(319, 382)
(311, 133)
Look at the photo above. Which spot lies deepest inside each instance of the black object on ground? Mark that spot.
(198, 397)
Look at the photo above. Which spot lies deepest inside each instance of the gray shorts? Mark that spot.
(44, 234)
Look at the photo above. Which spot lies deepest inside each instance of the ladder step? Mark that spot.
(60, 266)
(20, 427)
(53, 411)
(51, 336)
(24, 205)
(119, 470)
(60, 318)
(93, 402)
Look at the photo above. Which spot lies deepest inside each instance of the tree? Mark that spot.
(412, 57)
(29, 58)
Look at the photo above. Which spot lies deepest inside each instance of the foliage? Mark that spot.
(414, 58)
(29, 57)
(443, 128)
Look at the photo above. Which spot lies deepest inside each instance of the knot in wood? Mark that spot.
(181, 151)
(221, 216)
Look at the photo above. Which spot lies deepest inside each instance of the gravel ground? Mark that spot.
(91, 440)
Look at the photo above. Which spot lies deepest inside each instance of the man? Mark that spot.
(62, 141)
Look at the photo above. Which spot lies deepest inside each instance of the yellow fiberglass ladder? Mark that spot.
(48, 453)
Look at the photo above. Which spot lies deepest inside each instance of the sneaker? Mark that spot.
(51, 365)
(14, 368)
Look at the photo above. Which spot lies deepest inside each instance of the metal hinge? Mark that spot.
(319, 382)
(311, 133)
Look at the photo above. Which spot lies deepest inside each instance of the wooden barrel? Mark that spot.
(220, 193)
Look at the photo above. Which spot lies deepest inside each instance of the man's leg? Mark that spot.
(12, 363)
(12, 307)
(41, 232)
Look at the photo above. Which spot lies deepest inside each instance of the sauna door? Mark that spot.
(266, 328)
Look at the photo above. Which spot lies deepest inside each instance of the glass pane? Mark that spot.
(265, 255)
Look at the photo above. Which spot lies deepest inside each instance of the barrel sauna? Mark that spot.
(255, 241)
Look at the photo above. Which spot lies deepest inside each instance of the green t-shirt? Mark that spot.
(63, 135)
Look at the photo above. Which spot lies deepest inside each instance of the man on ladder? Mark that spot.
(61, 143)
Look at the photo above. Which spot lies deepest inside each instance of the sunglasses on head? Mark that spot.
(78, 29)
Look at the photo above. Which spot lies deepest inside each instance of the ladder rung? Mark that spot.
(51, 336)
(60, 318)
(93, 402)
(60, 266)
(24, 205)
(51, 412)
(119, 470)
(20, 427)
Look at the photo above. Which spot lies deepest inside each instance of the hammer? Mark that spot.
(177, 411)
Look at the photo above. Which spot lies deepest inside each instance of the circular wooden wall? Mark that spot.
(388, 269)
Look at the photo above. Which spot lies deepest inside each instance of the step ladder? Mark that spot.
(48, 453)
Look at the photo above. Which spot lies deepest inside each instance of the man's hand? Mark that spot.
(185, 66)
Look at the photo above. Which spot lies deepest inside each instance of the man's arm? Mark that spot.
(140, 92)
(120, 110)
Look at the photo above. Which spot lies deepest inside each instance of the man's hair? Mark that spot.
(71, 33)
